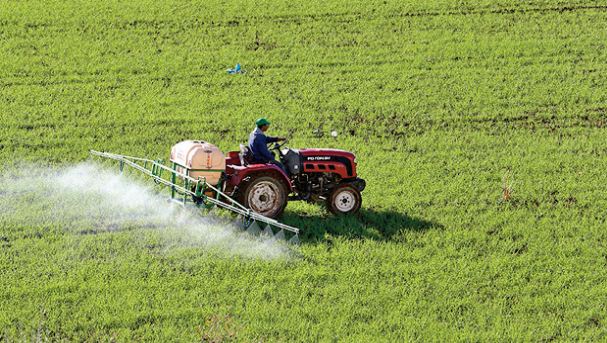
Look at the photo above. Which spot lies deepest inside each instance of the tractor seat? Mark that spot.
(244, 155)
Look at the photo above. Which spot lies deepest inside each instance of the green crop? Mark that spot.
(478, 125)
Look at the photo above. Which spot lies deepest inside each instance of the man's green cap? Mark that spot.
(261, 122)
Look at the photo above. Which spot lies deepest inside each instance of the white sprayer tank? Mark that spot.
(199, 159)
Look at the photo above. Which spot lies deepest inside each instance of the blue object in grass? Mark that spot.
(236, 70)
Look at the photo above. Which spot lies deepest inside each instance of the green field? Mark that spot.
(478, 125)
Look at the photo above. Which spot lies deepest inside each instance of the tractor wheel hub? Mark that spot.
(345, 201)
(263, 197)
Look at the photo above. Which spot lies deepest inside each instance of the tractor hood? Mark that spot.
(324, 154)
(333, 159)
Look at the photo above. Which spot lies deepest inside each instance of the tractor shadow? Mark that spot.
(366, 224)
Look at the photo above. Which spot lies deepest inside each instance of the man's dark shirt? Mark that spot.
(258, 144)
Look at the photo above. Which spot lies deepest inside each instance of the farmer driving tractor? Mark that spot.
(258, 144)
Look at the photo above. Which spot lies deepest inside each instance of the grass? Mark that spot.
(479, 127)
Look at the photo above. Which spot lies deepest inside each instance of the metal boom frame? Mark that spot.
(155, 169)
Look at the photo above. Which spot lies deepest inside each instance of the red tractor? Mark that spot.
(315, 175)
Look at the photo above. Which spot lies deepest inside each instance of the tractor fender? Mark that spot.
(241, 173)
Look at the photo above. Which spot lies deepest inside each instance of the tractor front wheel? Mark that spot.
(344, 199)
(265, 195)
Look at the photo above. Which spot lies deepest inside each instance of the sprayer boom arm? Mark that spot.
(154, 170)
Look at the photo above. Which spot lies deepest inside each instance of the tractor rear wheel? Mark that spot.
(344, 199)
(264, 195)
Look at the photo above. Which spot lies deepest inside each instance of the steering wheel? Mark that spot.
(276, 145)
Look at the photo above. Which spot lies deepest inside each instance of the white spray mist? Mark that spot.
(90, 196)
